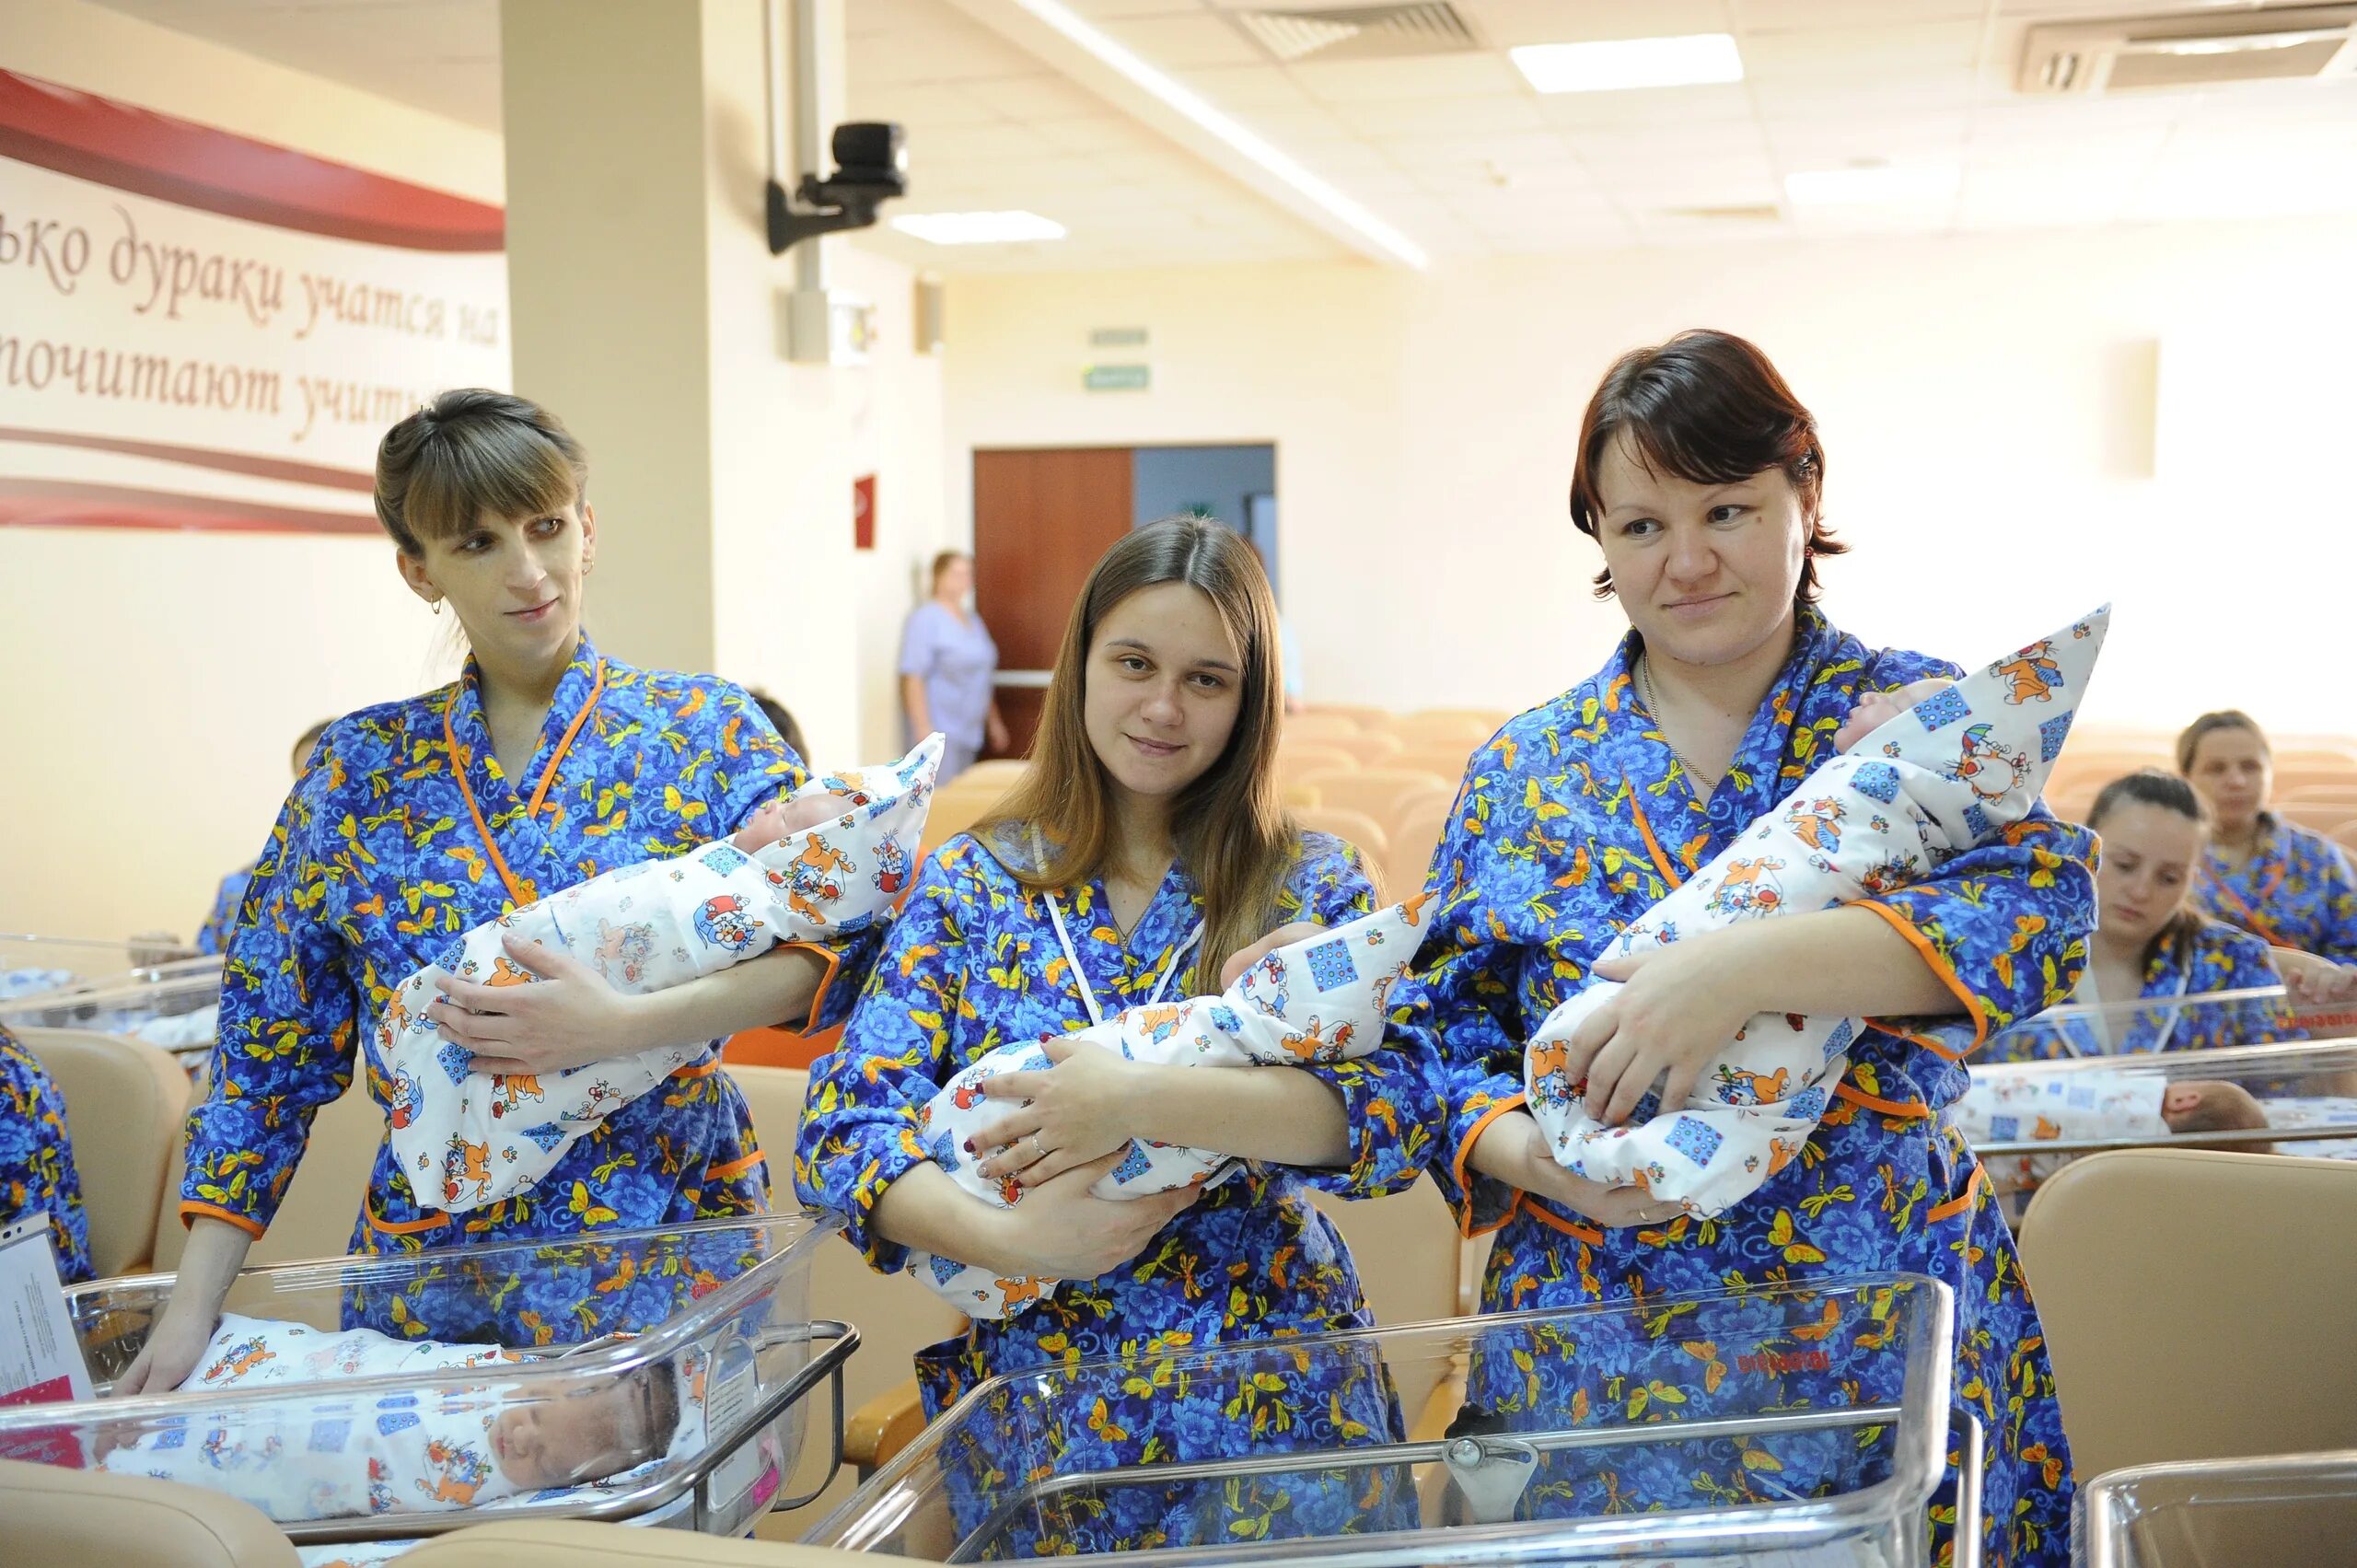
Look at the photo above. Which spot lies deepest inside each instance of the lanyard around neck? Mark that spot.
(1072, 954)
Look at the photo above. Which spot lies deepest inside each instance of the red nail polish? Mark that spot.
(970, 1145)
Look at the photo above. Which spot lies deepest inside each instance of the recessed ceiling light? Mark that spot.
(977, 229)
(1689, 60)
(1872, 183)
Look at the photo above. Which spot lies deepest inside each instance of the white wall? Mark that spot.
(154, 682)
(1988, 406)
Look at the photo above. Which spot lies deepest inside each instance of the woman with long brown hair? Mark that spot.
(1145, 855)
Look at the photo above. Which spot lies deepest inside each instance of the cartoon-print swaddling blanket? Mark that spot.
(1320, 999)
(417, 1449)
(1945, 776)
(467, 1139)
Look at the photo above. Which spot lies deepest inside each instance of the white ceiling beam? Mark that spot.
(1055, 34)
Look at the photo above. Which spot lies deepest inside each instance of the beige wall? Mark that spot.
(1989, 407)
(154, 682)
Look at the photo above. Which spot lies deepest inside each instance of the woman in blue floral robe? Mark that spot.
(2156, 946)
(1700, 474)
(37, 1174)
(2272, 877)
(545, 764)
(1164, 709)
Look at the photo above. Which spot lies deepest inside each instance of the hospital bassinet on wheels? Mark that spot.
(718, 1310)
(1820, 1416)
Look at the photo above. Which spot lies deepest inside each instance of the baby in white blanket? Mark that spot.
(1319, 999)
(1944, 768)
(400, 1449)
(820, 863)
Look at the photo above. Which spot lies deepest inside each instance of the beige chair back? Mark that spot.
(1319, 723)
(125, 1103)
(1297, 760)
(50, 1514)
(2197, 1304)
(1369, 748)
(322, 1202)
(1375, 790)
(1418, 821)
(1365, 718)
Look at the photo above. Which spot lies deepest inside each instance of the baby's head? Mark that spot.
(780, 819)
(1876, 709)
(600, 1430)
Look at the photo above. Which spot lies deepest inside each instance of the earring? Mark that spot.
(437, 607)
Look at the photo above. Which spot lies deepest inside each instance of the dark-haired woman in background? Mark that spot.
(1701, 476)
(2272, 877)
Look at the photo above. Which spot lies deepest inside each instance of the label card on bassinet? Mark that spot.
(40, 1361)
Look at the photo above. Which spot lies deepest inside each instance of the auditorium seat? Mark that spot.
(1369, 748)
(53, 1514)
(125, 1103)
(1375, 790)
(2195, 1304)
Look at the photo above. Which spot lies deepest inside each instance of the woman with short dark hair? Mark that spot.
(1701, 475)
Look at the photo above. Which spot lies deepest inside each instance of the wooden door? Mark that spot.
(1041, 519)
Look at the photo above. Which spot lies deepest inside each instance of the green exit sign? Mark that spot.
(1118, 378)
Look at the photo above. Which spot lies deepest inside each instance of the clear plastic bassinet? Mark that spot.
(2305, 1089)
(2221, 1514)
(717, 1311)
(1803, 1426)
(112, 988)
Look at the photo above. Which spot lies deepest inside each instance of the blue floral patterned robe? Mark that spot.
(212, 936)
(2296, 890)
(37, 1174)
(1573, 820)
(401, 834)
(973, 963)
(2185, 966)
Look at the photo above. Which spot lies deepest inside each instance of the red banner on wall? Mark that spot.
(198, 330)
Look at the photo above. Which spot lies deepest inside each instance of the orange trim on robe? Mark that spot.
(520, 892)
(1939, 965)
(192, 1209)
(734, 1167)
(1593, 1234)
(1958, 1204)
(1465, 1153)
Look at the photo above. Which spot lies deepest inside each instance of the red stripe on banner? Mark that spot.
(49, 503)
(176, 160)
(200, 457)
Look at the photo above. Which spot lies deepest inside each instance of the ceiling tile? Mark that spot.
(1436, 75)
(1440, 116)
(1506, 23)
(1180, 43)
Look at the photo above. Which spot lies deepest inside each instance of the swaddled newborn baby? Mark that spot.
(819, 864)
(400, 1449)
(1926, 774)
(1319, 999)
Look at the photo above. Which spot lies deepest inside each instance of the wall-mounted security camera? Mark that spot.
(871, 168)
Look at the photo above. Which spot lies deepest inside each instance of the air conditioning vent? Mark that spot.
(2196, 50)
(1358, 32)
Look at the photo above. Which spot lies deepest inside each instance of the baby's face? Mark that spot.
(1876, 709)
(780, 819)
(584, 1437)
